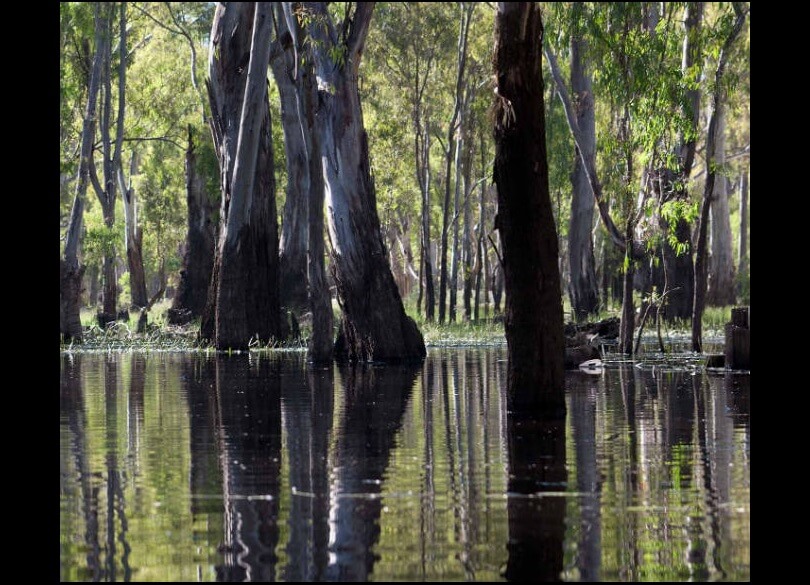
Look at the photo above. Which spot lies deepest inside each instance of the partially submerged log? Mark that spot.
(606, 328)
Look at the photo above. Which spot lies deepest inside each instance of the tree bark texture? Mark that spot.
(375, 326)
(245, 280)
(70, 270)
(583, 288)
(534, 317)
(720, 291)
(294, 229)
(198, 259)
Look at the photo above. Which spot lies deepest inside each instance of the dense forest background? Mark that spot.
(636, 95)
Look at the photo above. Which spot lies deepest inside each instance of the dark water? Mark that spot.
(200, 468)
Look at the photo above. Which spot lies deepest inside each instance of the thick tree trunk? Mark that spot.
(70, 270)
(701, 251)
(321, 343)
(198, 260)
(534, 317)
(375, 326)
(583, 288)
(720, 291)
(245, 280)
(294, 229)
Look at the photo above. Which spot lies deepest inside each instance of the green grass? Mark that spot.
(162, 336)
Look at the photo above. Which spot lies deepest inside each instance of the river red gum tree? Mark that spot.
(243, 299)
(375, 326)
(534, 317)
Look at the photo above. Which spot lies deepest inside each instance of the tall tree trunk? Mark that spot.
(424, 173)
(455, 252)
(321, 344)
(721, 263)
(198, 259)
(375, 326)
(742, 257)
(583, 287)
(294, 226)
(244, 286)
(466, 240)
(711, 171)
(464, 27)
(534, 316)
(70, 270)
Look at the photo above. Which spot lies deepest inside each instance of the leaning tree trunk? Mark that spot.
(294, 230)
(375, 326)
(534, 316)
(584, 287)
(198, 259)
(244, 288)
(721, 264)
(701, 251)
(70, 270)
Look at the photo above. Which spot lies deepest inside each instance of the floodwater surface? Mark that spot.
(194, 467)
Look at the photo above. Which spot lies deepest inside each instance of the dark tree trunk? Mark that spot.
(198, 260)
(294, 230)
(742, 259)
(245, 279)
(375, 326)
(534, 317)
(583, 288)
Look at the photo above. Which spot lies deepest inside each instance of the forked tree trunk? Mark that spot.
(198, 259)
(375, 326)
(534, 316)
(721, 264)
(583, 288)
(70, 270)
(244, 287)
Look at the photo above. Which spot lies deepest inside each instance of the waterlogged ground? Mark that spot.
(181, 466)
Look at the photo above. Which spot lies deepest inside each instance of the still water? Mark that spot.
(191, 467)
